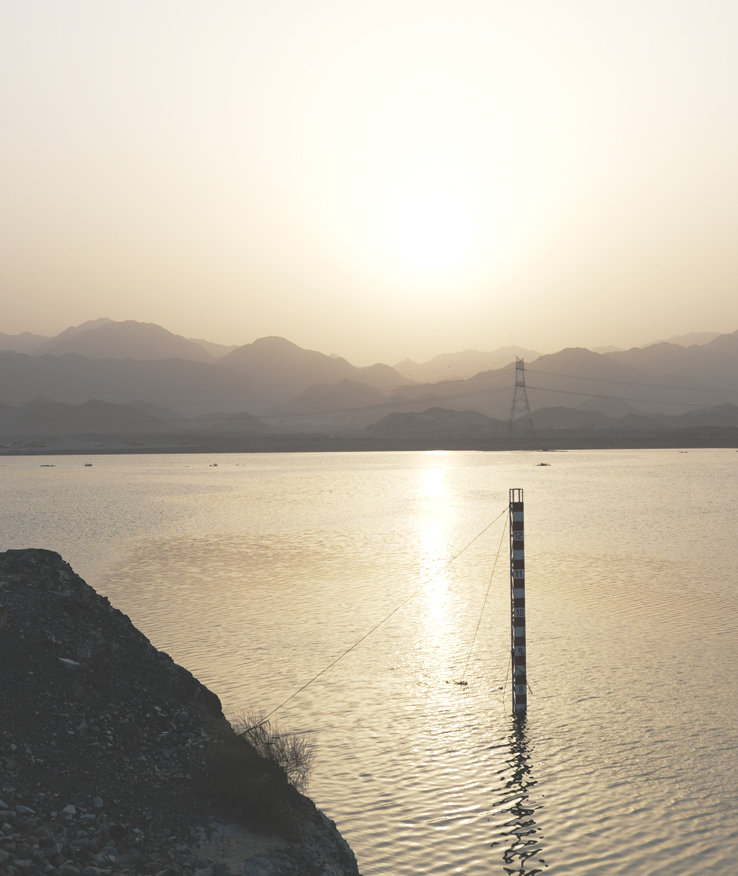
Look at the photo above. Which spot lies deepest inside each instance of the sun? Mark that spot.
(434, 230)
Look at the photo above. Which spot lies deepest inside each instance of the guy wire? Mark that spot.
(474, 640)
(383, 621)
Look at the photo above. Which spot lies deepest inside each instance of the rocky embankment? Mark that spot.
(105, 748)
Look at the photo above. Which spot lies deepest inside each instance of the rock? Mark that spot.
(69, 664)
(67, 814)
(24, 810)
(91, 871)
(264, 866)
(98, 803)
(4, 857)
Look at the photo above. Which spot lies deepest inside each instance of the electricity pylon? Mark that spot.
(520, 417)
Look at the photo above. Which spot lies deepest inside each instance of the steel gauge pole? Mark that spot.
(517, 601)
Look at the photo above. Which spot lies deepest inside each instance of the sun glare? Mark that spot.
(434, 230)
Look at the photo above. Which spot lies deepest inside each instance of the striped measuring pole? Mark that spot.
(517, 601)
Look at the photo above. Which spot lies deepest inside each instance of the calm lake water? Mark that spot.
(256, 574)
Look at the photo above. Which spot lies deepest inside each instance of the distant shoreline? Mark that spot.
(550, 439)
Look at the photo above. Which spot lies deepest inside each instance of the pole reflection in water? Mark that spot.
(519, 836)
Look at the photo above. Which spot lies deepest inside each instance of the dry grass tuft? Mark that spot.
(258, 768)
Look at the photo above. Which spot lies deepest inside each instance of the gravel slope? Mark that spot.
(103, 749)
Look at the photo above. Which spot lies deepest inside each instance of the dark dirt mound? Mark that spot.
(104, 740)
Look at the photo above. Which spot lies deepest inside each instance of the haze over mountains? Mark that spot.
(156, 380)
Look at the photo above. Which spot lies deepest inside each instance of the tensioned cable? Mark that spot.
(377, 626)
(620, 397)
(474, 640)
(618, 380)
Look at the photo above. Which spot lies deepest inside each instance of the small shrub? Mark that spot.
(290, 751)
(257, 769)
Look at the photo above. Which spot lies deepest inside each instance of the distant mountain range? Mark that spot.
(97, 426)
(459, 426)
(104, 338)
(131, 365)
(457, 366)
(125, 340)
(43, 417)
(662, 378)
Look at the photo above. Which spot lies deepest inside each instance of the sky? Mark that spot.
(378, 180)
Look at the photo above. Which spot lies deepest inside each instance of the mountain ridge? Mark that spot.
(125, 340)
(270, 372)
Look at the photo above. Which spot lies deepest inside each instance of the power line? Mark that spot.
(615, 398)
(617, 380)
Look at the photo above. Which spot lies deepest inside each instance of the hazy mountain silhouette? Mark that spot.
(690, 339)
(284, 370)
(569, 418)
(74, 330)
(190, 388)
(157, 411)
(217, 351)
(226, 423)
(713, 365)
(664, 377)
(26, 342)
(613, 407)
(346, 403)
(457, 366)
(687, 340)
(125, 340)
(458, 426)
(44, 417)
(660, 378)
(274, 376)
(721, 416)
(490, 391)
(433, 423)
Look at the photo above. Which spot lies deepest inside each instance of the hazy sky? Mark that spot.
(375, 179)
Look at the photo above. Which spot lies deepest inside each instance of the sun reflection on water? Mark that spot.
(434, 559)
(434, 482)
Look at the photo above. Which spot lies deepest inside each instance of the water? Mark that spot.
(256, 574)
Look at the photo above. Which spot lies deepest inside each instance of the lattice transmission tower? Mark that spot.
(520, 418)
